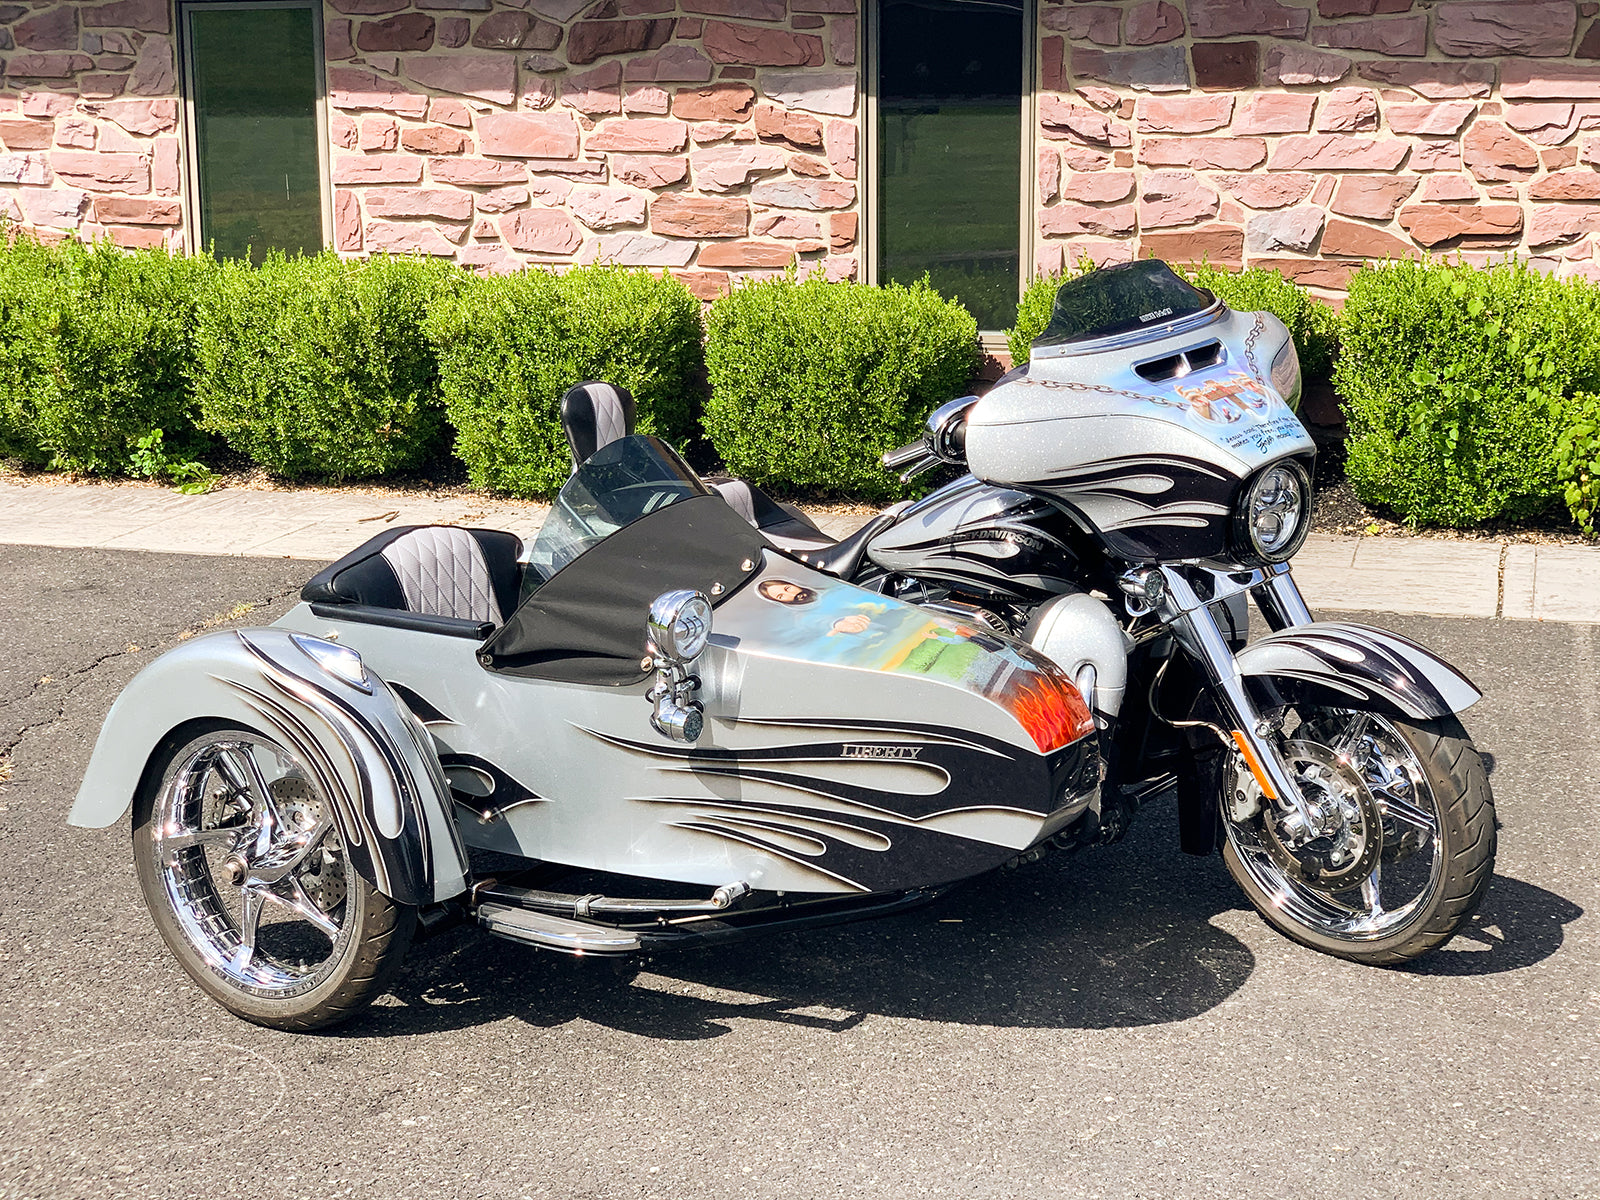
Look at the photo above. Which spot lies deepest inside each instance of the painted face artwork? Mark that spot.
(784, 592)
(847, 626)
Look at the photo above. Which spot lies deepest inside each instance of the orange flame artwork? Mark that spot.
(1051, 710)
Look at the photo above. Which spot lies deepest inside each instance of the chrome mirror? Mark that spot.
(947, 428)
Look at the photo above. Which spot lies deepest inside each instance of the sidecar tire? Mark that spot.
(373, 934)
(1466, 829)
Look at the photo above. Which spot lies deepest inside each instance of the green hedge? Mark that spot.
(510, 346)
(811, 381)
(317, 367)
(1456, 382)
(1578, 461)
(96, 346)
(1313, 325)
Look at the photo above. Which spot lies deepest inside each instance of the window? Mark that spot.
(951, 82)
(253, 78)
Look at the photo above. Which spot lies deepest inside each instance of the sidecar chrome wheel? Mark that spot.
(246, 875)
(1396, 846)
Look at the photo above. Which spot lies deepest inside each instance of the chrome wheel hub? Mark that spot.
(252, 865)
(1338, 841)
(1362, 859)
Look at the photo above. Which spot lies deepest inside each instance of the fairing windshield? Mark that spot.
(619, 483)
(1115, 300)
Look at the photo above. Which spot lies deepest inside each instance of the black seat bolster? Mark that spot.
(844, 558)
(500, 552)
(360, 577)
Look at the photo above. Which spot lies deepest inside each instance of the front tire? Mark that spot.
(245, 874)
(1404, 844)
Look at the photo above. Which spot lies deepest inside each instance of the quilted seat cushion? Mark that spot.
(439, 570)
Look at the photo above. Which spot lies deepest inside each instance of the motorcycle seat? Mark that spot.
(843, 558)
(431, 570)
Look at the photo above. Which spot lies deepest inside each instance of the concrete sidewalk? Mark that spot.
(1399, 575)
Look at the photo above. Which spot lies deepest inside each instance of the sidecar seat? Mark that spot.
(594, 414)
(431, 570)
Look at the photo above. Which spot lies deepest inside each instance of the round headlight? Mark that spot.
(680, 624)
(1274, 513)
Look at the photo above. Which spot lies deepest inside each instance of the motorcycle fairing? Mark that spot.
(390, 798)
(1151, 441)
(1356, 666)
(852, 743)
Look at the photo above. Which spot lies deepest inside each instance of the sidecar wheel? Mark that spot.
(1406, 849)
(245, 874)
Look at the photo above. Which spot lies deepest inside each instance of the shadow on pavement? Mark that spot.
(1516, 926)
(1080, 942)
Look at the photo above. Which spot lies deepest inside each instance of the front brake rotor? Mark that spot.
(1359, 825)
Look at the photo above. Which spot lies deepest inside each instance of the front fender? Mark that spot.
(1357, 666)
(375, 761)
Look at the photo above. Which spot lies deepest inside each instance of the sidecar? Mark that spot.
(450, 726)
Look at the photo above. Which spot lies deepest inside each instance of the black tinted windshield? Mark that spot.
(619, 483)
(1113, 300)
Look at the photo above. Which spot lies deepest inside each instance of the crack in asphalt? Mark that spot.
(75, 677)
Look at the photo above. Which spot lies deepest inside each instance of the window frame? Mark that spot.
(191, 151)
(869, 54)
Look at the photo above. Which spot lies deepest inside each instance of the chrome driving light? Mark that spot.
(679, 628)
(1274, 513)
(1286, 375)
(680, 624)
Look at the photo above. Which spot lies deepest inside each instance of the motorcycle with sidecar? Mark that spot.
(722, 723)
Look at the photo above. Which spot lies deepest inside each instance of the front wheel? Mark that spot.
(1396, 847)
(247, 880)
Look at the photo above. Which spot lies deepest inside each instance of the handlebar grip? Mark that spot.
(905, 454)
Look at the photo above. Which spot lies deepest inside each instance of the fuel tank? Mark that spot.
(992, 540)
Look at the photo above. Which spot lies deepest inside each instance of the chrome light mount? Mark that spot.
(678, 630)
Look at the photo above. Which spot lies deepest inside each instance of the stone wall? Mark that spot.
(718, 137)
(704, 136)
(1310, 135)
(89, 121)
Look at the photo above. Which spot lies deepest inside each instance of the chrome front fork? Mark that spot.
(1195, 626)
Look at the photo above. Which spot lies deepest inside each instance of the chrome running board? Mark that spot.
(550, 932)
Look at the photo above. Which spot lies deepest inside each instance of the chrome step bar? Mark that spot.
(550, 932)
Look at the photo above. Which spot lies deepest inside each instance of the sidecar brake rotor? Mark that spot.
(322, 874)
(1346, 842)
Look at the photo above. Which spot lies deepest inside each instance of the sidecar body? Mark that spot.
(441, 691)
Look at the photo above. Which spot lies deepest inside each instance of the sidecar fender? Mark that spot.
(374, 759)
(1357, 666)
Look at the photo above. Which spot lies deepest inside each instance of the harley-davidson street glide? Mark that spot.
(682, 716)
(1129, 487)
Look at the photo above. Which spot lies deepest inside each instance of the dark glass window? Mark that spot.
(950, 150)
(253, 88)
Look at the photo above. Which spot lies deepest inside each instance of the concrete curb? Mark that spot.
(1337, 574)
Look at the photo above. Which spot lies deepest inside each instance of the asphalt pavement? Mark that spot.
(1115, 1023)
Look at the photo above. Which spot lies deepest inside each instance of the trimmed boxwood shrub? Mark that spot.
(510, 346)
(96, 348)
(1578, 460)
(811, 381)
(1457, 383)
(1313, 325)
(318, 367)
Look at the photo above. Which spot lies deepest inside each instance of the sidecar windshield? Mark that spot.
(1113, 300)
(619, 483)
